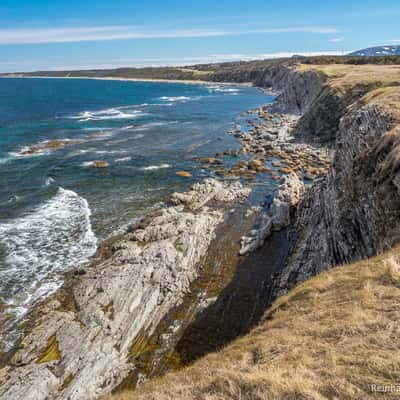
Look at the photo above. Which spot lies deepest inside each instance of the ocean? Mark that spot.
(81, 158)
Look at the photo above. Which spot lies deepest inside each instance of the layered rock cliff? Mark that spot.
(353, 211)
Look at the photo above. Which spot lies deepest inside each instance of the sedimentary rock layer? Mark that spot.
(80, 343)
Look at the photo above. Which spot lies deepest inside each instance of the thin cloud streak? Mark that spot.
(337, 40)
(103, 33)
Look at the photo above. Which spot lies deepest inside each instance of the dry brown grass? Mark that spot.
(382, 81)
(387, 97)
(332, 337)
(341, 75)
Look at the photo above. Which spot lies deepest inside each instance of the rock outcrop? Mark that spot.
(80, 342)
(353, 212)
(277, 216)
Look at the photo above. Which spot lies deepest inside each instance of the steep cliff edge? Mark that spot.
(353, 211)
(334, 335)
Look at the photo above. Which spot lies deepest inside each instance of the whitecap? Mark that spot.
(123, 159)
(13, 199)
(88, 164)
(48, 181)
(5, 160)
(52, 237)
(176, 98)
(43, 148)
(108, 114)
(223, 89)
(155, 167)
(102, 152)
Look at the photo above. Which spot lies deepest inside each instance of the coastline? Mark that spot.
(102, 299)
(183, 81)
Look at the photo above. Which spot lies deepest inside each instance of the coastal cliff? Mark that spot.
(334, 335)
(80, 344)
(353, 211)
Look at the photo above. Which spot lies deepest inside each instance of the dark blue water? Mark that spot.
(55, 204)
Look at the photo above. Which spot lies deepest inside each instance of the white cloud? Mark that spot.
(100, 33)
(394, 41)
(337, 39)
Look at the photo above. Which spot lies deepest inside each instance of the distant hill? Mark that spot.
(378, 51)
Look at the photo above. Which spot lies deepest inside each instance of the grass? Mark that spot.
(345, 75)
(333, 337)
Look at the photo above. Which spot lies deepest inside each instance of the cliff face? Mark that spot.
(353, 211)
(297, 91)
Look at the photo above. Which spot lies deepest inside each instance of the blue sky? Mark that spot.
(66, 34)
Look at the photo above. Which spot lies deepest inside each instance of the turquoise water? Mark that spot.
(55, 205)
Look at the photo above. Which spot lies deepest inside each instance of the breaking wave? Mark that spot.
(52, 237)
(108, 114)
(155, 167)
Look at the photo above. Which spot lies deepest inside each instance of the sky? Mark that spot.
(84, 34)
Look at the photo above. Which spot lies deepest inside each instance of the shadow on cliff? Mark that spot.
(240, 305)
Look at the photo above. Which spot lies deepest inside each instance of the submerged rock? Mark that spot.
(100, 164)
(183, 174)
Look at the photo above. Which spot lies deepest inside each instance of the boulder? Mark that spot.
(183, 174)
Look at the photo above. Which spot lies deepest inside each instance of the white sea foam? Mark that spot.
(123, 159)
(5, 160)
(155, 167)
(176, 98)
(50, 238)
(93, 128)
(223, 89)
(13, 199)
(43, 148)
(108, 114)
(88, 163)
(102, 152)
(48, 181)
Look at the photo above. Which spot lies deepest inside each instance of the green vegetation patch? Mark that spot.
(51, 352)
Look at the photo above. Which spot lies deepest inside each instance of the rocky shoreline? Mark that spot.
(336, 193)
(79, 343)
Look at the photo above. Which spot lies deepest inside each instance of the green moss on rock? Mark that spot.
(51, 352)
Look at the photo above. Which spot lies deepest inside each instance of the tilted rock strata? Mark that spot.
(354, 211)
(84, 352)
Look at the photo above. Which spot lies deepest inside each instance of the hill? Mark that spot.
(378, 51)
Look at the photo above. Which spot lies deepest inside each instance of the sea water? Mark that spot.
(80, 158)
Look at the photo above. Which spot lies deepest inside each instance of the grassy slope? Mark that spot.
(344, 76)
(382, 81)
(332, 337)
